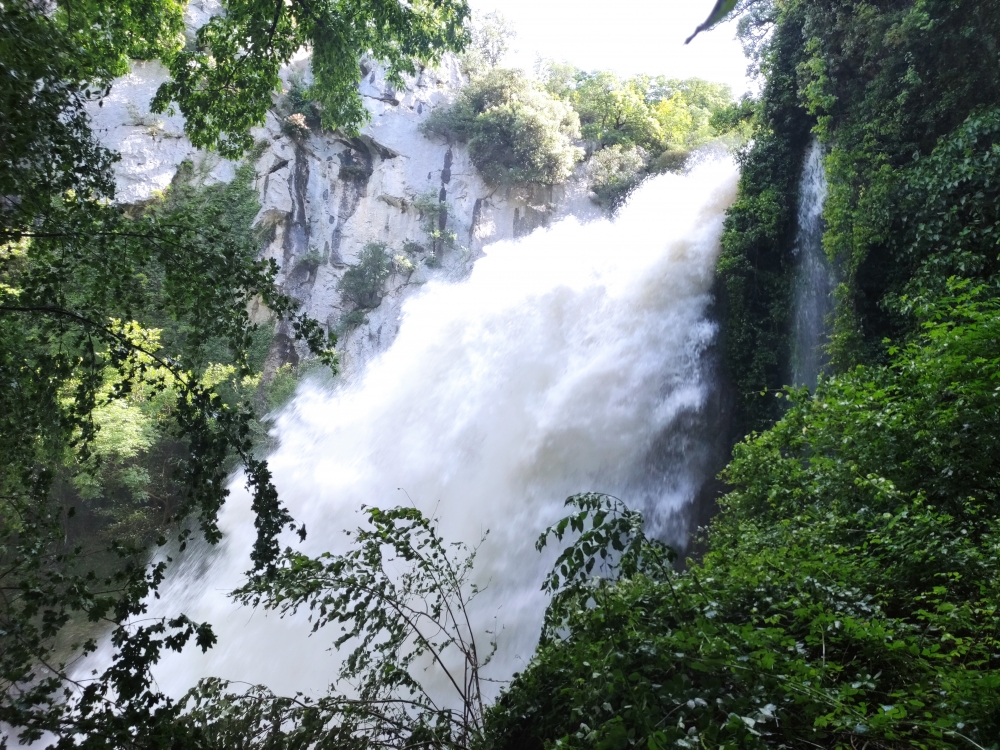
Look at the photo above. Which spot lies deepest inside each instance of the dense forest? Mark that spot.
(848, 592)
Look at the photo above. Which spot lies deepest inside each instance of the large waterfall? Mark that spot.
(813, 288)
(572, 359)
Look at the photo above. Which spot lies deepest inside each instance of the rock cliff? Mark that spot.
(325, 195)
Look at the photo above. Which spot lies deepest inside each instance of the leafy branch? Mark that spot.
(401, 597)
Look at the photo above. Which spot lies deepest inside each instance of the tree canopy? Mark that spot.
(516, 131)
(124, 330)
(224, 82)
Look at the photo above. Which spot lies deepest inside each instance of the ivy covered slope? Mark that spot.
(849, 596)
(902, 96)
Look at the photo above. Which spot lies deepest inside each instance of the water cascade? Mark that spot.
(814, 283)
(572, 359)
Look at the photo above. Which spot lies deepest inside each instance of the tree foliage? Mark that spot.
(224, 83)
(401, 599)
(635, 126)
(850, 593)
(614, 172)
(614, 111)
(489, 43)
(882, 86)
(361, 285)
(654, 113)
(126, 328)
(720, 11)
(516, 132)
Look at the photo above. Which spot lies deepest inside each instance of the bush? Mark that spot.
(295, 125)
(349, 321)
(300, 112)
(517, 133)
(671, 160)
(310, 261)
(614, 172)
(434, 222)
(361, 284)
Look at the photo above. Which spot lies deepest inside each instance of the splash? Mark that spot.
(570, 360)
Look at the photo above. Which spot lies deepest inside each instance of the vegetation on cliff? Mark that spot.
(522, 129)
(516, 132)
(885, 89)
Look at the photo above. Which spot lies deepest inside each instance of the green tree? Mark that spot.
(661, 116)
(112, 317)
(685, 108)
(490, 41)
(516, 131)
(362, 283)
(401, 597)
(614, 172)
(614, 111)
(224, 83)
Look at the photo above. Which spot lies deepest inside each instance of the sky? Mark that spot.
(627, 36)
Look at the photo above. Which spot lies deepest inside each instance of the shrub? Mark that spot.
(434, 214)
(301, 112)
(361, 284)
(295, 125)
(614, 172)
(310, 261)
(402, 264)
(671, 160)
(349, 321)
(517, 133)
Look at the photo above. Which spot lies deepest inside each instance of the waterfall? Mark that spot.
(569, 360)
(813, 287)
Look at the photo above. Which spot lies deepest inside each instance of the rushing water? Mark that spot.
(813, 289)
(572, 359)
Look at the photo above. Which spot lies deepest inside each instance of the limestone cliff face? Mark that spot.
(324, 196)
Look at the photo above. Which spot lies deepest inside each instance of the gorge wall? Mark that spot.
(326, 195)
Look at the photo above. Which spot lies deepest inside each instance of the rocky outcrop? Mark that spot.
(325, 196)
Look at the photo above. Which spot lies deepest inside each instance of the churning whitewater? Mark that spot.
(570, 360)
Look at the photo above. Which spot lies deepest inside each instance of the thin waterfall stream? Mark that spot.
(570, 360)
(814, 282)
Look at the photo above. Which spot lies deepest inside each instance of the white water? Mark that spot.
(570, 360)
(813, 288)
